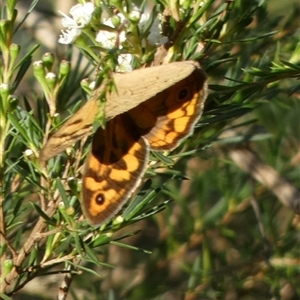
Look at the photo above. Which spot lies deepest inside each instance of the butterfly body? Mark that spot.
(153, 108)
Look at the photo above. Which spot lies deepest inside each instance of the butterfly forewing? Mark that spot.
(113, 169)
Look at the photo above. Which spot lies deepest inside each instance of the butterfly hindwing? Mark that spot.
(113, 169)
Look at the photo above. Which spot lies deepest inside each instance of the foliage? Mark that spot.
(227, 233)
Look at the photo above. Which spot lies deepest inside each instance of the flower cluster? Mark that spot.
(81, 17)
(113, 34)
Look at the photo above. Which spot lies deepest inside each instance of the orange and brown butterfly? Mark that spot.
(152, 109)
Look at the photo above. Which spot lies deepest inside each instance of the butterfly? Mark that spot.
(152, 109)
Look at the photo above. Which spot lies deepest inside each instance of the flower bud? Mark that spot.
(48, 60)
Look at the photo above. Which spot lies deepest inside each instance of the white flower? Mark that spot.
(69, 35)
(81, 13)
(106, 39)
(124, 61)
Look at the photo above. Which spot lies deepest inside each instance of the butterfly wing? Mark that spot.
(76, 128)
(170, 116)
(113, 169)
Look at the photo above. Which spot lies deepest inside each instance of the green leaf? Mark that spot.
(43, 215)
